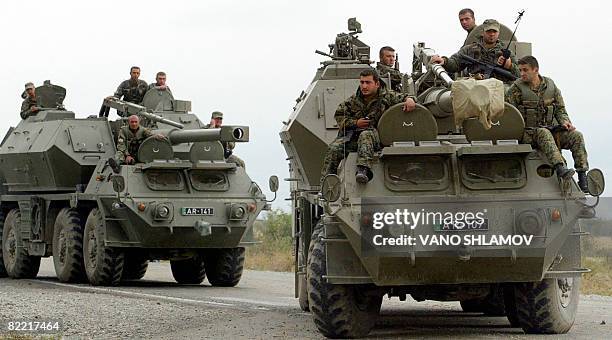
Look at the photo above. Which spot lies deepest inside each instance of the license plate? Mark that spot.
(197, 211)
(463, 225)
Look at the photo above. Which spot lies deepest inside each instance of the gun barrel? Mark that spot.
(442, 74)
(223, 134)
(160, 119)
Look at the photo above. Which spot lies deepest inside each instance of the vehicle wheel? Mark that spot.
(471, 306)
(18, 264)
(339, 311)
(190, 271)
(3, 272)
(103, 265)
(492, 304)
(548, 306)
(224, 266)
(134, 267)
(68, 246)
(303, 293)
(510, 304)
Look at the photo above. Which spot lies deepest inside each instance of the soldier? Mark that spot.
(487, 49)
(128, 142)
(216, 121)
(160, 83)
(357, 119)
(133, 89)
(28, 107)
(467, 21)
(539, 100)
(386, 67)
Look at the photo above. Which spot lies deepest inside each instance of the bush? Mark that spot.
(275, 250)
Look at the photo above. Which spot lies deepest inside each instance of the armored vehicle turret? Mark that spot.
(452, 213)
(181, 202)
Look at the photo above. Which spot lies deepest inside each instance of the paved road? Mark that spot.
(262, 306)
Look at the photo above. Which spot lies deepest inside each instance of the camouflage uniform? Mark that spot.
(154, 86)
(228, 152)
(387, 71)
(128, 142)
(131, 91)
(478, 51)
(350, 139)
(26, 107)
(538, 108)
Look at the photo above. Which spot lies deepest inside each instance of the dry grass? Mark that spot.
(599, 280)
(274, 253)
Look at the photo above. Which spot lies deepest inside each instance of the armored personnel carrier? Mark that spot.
(512, 243)
(180, 202)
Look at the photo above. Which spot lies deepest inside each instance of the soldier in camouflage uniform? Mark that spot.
(160, 83)
(129, 140)
(539, 100)
(133, 89)
(467, 21)
(386, 68)
(28, 107)
(357, 119)
(488, 49)
(216, 121)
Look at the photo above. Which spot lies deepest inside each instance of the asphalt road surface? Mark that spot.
(261, 306)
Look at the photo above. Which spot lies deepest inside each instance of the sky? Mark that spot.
(251, 59)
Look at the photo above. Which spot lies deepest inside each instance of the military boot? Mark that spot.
(563, 172)
(582, 181)
(361, 176)
(114, 165)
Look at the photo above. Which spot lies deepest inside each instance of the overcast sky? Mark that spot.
(251, 59)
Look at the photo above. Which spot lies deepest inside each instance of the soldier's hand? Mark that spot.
(503, 62)
(409, 105)
(159, 136)
(569, 126)
(129, 160)
(363, 123)
(436, 59)
(34, 109)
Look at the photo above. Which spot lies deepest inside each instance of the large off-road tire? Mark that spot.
(189, 271)
(303, 293)
(339, 311)
(103, 265)
(548, 306)
(224, 266)
(68, 246)
(17, 262)
(134, 266)
(492, 304)
(510, 305)
(3, 272)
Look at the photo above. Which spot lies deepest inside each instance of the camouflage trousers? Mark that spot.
(550, 144)
(235, 159)
(367, 143)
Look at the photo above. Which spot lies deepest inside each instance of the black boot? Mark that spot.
(113, 165)
(361, 176)
(582, 181)
(563, 172)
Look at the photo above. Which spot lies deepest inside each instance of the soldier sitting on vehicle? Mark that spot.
(357, 119)
(160, 83)
(484, 58)
(133, 89)
(128, 142)
(386, 68)
(216, 121)
(539, 101)
(29, 106)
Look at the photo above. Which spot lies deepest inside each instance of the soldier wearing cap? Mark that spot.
(216, 121)
(386, 67)
(29, 106)
(133, 89)
(487, 49)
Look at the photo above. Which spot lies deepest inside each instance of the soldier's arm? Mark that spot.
(559, 108)
(454, 63)
(146, 133)
(121, 146)
(119, 91)
(514, 96)
(514, 67)
(25, 109)
(344, 117)
(231, 145)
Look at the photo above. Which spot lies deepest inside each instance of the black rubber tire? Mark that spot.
(491, 305)
(303, 293)
(471, 306)
(540, 309)
(339, 311)
(510, 304)
(224, 266)
(17, 262)
(135, 266)
(103, 265)
(68, 246)
(3, 272)
(189, 271)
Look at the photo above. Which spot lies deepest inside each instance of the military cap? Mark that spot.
(29, 85)
(217, 114)
(490, 24)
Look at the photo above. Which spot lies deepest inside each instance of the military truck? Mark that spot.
(180, 202)
(517, 254)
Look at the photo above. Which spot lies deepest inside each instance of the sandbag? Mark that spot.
(483, 99)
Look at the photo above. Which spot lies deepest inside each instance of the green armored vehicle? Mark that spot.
(181, 202)
(451, 214)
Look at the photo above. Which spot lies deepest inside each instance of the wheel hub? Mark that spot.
(564, 289)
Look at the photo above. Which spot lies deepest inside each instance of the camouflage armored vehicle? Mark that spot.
(181, 202)
(517, 254)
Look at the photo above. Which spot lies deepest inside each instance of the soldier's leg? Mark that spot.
(335, 153)
(574, 141)
(367, 144)
(235, 159)
(543, 140)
